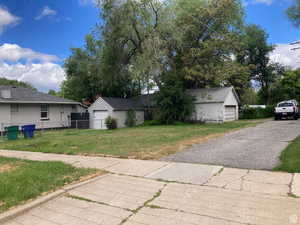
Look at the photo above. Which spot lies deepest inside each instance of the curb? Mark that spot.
(6, 216)
(19, 210)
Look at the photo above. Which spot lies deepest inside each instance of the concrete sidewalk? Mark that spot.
(137, 192)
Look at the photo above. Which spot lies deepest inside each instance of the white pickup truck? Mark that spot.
(287, 109)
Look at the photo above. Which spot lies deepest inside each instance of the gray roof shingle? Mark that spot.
(123, 104)
(27, 95)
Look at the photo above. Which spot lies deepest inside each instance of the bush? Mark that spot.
(111, 123)
(257, 113)
(131, 118)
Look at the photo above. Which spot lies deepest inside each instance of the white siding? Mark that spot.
(4, 115)
(208, 112)
(231, 100)
(98, 105)
(31, 114)
(140, 117)
(121, 117)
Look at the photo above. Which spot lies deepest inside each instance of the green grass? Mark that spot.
(21, 180)
(290, 158)
(144, 142)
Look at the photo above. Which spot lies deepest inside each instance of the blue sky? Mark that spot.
(36, 35)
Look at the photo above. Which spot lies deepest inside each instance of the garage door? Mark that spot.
(230, 113)
(99, 119)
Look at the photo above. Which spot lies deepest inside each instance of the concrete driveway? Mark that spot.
(251, 148)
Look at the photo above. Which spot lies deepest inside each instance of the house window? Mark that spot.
(14, 108)
(74, 109)
(44, 112)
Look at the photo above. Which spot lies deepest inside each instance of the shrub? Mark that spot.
(257, 113)
(131, 118)
(111, 123)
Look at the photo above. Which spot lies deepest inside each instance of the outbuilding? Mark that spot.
(116, 108)
(215, 104)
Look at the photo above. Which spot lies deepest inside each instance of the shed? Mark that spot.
(116, 108)
(215, 104)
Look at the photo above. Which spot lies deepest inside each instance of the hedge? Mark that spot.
(257, 113)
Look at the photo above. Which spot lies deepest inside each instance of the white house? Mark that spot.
(21, 106)
(116, 108)
(215, 104)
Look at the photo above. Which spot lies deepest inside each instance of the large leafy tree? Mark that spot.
(7, 82)
(92, 70)
(293, 13)
(287, 87)
(255, 54)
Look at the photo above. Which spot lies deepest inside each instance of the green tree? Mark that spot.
(7, 82)
(255, 54)
(172, 102)
(287, 87)
(293, 13)
(91, 70)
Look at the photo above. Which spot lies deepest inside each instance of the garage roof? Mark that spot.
(212, 95)
(123, 104)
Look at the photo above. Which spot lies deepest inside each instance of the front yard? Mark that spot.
(290, 158)
(143, 142)
(21, 180)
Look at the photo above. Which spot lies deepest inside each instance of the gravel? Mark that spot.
(250, 148)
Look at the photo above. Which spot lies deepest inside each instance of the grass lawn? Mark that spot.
(143, 142)
(21, 180)
(290, 158)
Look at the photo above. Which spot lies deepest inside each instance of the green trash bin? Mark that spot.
(12, 132)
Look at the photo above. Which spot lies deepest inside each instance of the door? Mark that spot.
(99, 119)
(230, 113)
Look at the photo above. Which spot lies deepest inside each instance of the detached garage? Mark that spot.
(116, 108)
(215, 104)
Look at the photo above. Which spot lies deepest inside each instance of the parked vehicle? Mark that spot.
(287, 109)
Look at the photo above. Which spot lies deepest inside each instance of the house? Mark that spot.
(215, 104)
(20, 106)
(116, 108)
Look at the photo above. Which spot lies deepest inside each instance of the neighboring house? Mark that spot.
(21, 106)
(215, 104)
(116, 108)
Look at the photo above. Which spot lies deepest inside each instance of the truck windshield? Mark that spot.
(286, 104)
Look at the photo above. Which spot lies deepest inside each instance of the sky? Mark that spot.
(36, 35)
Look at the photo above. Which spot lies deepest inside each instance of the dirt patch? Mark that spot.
(7, 167)
(171, 149)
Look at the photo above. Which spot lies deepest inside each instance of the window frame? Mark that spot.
(12, 106)
(44, 111)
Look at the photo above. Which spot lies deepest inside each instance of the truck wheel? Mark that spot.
(296, 117)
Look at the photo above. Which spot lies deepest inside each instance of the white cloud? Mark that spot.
(36, 68)
(7, 19)
(13, 52)
(87, 2)
(43, 76)
(284, 54)
(46, 12)
(267, 2)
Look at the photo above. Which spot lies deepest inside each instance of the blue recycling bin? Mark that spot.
(28, 131)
